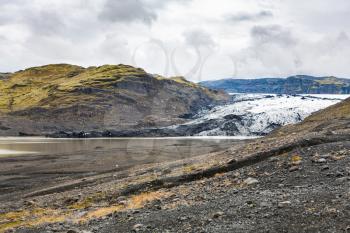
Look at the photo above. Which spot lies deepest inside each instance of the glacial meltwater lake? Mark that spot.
(33, 163)
(183, 146)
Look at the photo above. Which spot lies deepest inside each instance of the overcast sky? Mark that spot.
(199, 39)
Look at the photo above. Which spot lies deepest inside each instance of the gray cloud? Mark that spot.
(273, 48)
(39, 19)
(45, 22)
(158, 4)
(245, 16)
(128, 11)
(265, 37)
(272, 34)
(199, 38)
(7, 10)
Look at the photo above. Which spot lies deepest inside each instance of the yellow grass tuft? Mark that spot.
(134, 202)
(40, 216)
(296, 158)
(30, 218)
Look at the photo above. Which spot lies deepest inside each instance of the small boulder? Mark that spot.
(183, 218)
(250, 181)
(294, 168)
(218, 214)
(342, 180)
(72, 231)
(29, 203)
(321, 160)
(284, 204)
(137, 227)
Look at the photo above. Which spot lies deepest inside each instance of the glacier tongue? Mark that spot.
(258, 114)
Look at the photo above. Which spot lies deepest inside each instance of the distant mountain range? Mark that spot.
(300, 84)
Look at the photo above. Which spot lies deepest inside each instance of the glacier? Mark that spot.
(256, 114)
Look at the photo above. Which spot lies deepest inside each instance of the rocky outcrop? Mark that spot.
(300, 84)
(53, 98)
(4, 76)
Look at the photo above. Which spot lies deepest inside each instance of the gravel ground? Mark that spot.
(305, 190)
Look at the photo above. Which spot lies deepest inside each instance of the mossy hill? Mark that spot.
(66, 97)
